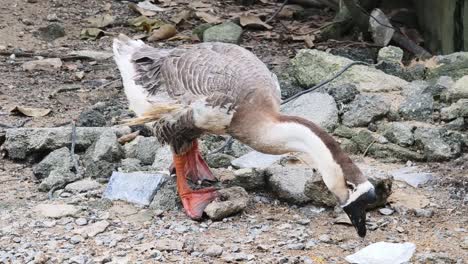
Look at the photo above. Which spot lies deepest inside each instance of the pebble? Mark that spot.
(296, 246)
(424, 212)
(56, 210)
(214, 251)
(386, 211)
(325, 238)
(16, 239)
(76, 239)
(303, 221)
(81, 221)
(400, 229)
(168, 245)
(93, 229)
(49, 224)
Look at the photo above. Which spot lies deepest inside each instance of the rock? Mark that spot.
(454, 65)
(417, 107)
(80, 259)
(227, 32)
(232, 201)
(51, 32)
(51, 64)
(383, 253)
(82, 186)
(57, 159)
(435, 258)
(345, 132)
(130, 165)
(164, 244)
(288, 84)
(100, 169)
(393, 152)
(91, 118)
(288, 183)
(390, 54)
(296, 246)
(460, 89)
(343, 219)
(214, 251)
(403, 200)
(319, 108)
(364, 110)
(411, 176)
(458, 109)
(136, 187)
(236, 257)
(428, 213)
(399, 133)
(386, 211)
(92, 54)
(76, 239)
(255, 159)
(381, 28)
(238, 149)
(93, 229)
(311, 66)
(57, 178)
(437, 144)
(219, 160)
(107, 148)
(142, 148)
(166, 199)
(163, 158)
(343, 93)
(81, 221)
(248, 178)
(56, 210)
(457, 124)
(325, 238)
(200, 29)
(21, 143)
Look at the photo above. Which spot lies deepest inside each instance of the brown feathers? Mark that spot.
(156, 112)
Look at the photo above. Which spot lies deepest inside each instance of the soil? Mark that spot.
(265, 233)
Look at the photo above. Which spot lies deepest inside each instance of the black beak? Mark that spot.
(357, 211)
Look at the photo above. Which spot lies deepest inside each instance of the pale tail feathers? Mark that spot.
(124, 48)
(155, 113)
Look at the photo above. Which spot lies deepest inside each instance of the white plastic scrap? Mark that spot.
(383, 253)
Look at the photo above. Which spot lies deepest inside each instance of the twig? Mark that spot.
(225, 145)
(108, 83)
(368, 147)
(277, 11)
(64, 89)
(74, 161)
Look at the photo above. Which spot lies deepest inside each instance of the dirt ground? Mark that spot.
(265, 233)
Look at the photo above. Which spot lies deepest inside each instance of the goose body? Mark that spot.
(221, 88)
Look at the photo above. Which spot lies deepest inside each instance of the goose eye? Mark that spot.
(350, 186)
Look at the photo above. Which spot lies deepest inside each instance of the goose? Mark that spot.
(224, 89)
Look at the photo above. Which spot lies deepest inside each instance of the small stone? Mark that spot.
(59, 158)
(142, 148)
(52, 17)
(365, 109)
(92, 54)
(219, 160)
(256, 159)
(57, 210)
(93, 229)
(163, 158)
(81, 221)
(296, 246)
(16, 239)
(303, 221)
(423, 213)
(343, 93)
(399, 133)
(76, 239)
(227, 32)
(383, 252)
(386, 211)
(51, 32)
(400, 229)
(214, 251)
(50, 64)
(107, 148)
(390, 54)
(411, 176)
(325, 238)
(460, 89)
(437, 143)
(279, 181)
(343, 219)
(418, 104)
(80, 259)
(91, 118)
(232, 201)
(82, 186)
(165, 244)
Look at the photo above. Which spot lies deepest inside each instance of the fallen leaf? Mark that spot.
(308, 39)
(91, 33)
(289, 10)
(184, 15)
(149, 6)
(30, 111)
(141, 11)
(100, 21)
(253, 22)
(208, 18)
(164, 32)
(145, 24)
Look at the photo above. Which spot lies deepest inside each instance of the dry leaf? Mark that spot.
(30, 111)
(208, 18)
(180, 37)
(100, 21)
(308, 39)
(151, 7)
(91, 33)
(145, 24)
(141, 11)
(253, 22)
(184, 15)
(164, 32)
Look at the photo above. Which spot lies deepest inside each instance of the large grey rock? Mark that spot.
(255, 159)
(219, 160)
(227, 32)
(380, 27)
(399, 133)
(311, 66)
(460, 89)
(454, 65)
(100, 169)
(107, 148)
(57, 178)
(136, 187)
(232, 201)
(142, 148)
(288, 183)
(437, 143)
(84, 185)
(166, 199)
(247, 178)
(417, 107)
(91, 118)
(319, 108)
(163, 158)
(21, 143)
(458, 109)
(57, 159)
(343, 93)
(365, 109)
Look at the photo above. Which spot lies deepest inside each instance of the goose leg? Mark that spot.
(196, 168)
(194, 201)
